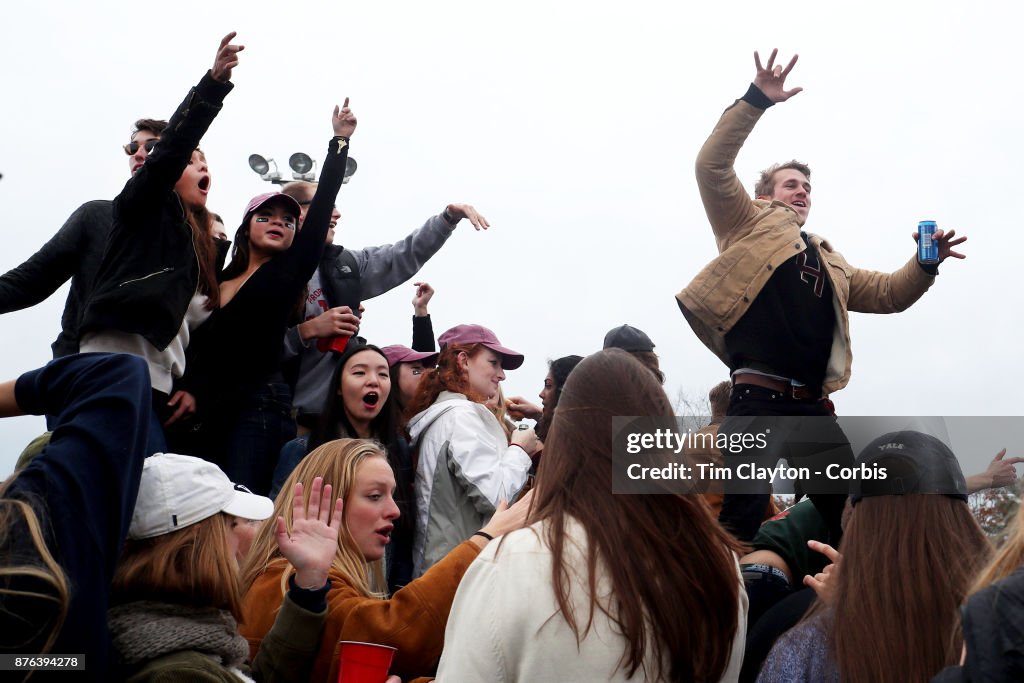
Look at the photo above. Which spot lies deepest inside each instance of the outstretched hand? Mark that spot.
(946, 242)
(460, 211)
(313, 542)
(823, 583)
(226, 59)
(771, 79)
(1000, 472)
(507, 519)
(344, 121)
(519, 408)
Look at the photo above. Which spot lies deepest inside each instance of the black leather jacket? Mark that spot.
(150, 271)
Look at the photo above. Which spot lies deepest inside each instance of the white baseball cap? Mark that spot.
(177, 491)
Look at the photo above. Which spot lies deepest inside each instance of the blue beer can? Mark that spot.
(927, 247)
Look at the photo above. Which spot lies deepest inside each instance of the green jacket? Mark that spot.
(755, 236)
(286, 655)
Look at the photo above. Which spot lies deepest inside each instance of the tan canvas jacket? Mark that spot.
(755, 236)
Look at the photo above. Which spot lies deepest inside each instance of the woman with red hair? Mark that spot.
(466, 464)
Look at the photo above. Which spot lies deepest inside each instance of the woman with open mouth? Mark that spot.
(243, 411)
(413, 619)
(157, 280)
(360, 407)
(466, 464)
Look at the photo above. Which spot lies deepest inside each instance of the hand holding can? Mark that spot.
(927, 247)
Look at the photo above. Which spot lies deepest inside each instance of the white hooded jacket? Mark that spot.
(466, 467)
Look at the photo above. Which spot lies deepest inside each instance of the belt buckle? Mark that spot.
(800, 393)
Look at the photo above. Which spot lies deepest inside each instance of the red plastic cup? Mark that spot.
(364, 662)
(335, 344)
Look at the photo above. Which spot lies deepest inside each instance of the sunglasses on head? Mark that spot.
(133, 147)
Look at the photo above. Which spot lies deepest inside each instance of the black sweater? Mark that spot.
(240, 344)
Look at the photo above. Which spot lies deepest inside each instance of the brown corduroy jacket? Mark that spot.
(413, 620)
(755, 236)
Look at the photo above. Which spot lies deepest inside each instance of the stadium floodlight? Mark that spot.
(262, 167)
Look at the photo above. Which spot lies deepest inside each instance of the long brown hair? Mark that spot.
(337, 462)
(206, 252)
(447, 376)
(907, 564)
(191, 566)
(675, 584)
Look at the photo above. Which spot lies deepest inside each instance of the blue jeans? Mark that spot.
(246, 443)
(291, 455)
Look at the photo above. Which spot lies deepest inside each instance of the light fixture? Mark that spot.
(263, 167)
(303, 166)
(350, 169)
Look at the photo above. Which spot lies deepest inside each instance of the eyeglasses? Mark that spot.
(133, 147)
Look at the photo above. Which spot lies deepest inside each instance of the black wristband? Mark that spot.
(451, 220)
(483, 534)
(755, 98)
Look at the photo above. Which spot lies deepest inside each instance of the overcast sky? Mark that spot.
(573, 127)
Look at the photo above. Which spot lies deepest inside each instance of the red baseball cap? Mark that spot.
(280, 197)
(478, 334)
(396, 353)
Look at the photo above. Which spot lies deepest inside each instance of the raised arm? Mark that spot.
(383, 268)
(163, 167)
(288, 650)
(422, 328)
(726, 203)
(308, 247)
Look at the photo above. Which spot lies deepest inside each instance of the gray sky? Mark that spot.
(573, 127)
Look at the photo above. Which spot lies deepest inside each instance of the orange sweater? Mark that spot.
(413, 620)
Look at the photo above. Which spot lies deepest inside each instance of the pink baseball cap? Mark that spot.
(261, 199)
(396, 353)
(478, 334)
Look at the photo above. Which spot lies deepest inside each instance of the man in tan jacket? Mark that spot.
(774, 304)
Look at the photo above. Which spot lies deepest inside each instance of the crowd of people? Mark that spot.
(235, 484)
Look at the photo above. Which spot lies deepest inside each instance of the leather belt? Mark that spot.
(801, 393)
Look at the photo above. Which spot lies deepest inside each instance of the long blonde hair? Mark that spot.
(45, 569)
(191, 566)
(337, 462)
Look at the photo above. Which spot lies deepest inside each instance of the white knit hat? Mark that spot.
(177, 491)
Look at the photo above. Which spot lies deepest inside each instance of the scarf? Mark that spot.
(145, 630)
